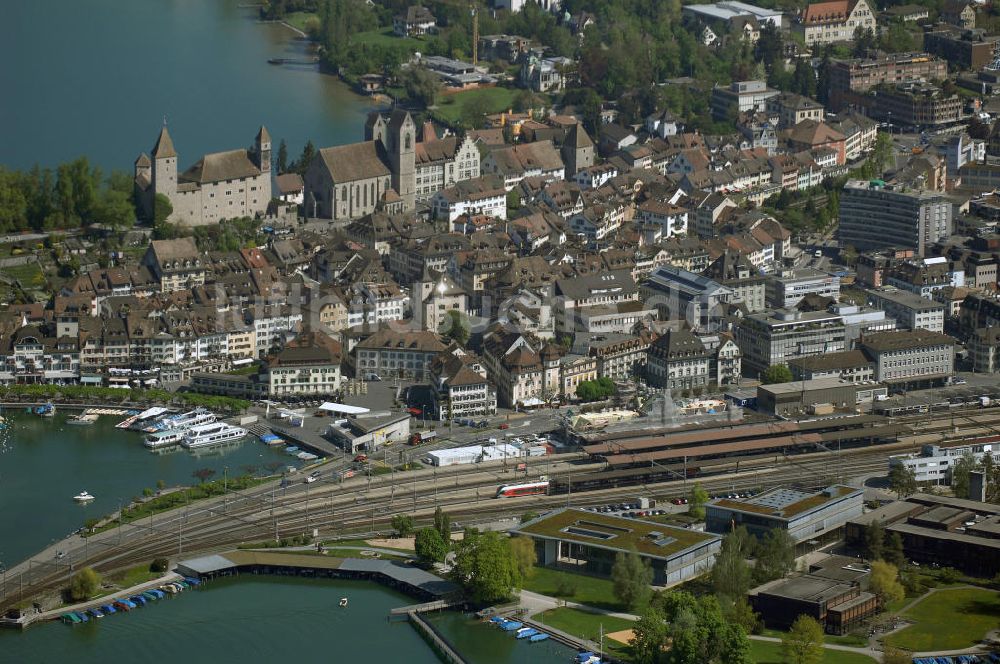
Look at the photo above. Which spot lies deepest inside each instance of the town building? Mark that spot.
(851, 366)
(678, 294)
(459, 387)
(874, 215)
(740, 97)
(833, 21)
(600, 294)
(849, 79)
(911, 311)
(963, 49)
(406, 354)
(585, 541)
(678, 360)
(911, 359)
(767, 339)
(804, 516)
(819, 396)
(786, 289)
(792, 108)
(414, 22)
(936, 465)
(369, 432)
(480, 196)
(913, 105)
(176, 264)
(220, 185)
(984, 349)
(620, 357)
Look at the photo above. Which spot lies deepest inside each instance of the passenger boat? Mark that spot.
(192, 418)
(164, 438)
(212, 434)
(83, 497)
(83, 419)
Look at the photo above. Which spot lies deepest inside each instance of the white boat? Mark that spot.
(192, 418)
(83, 497)
(343, 601)
(81, 419)
(164, 438)
(212, 434)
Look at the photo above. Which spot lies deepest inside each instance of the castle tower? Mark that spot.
(263, 150)
(577, 150)
(143, 184)
(143, 168)
(164, 166)
(402, 134)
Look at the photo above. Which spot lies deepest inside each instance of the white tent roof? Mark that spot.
(344, 409)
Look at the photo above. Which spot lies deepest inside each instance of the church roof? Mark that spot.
(577, 137)
(218, 166)
(164, 146)
(357, 161)
(263, 135)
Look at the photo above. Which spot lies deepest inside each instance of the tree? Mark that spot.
(893, 552)
(421, 85)
(456, 327)
(730, 573)
(960, 474)
(777, 373)
(742, 614)
(162, 209)
(874, 540)
(486, 568)
(529, 516)
(697, 500)
(902, 480)
(803, 643)
(203, 474)
(523, 549)
(733, 645)
(403, 524)
(282, 165)
(159, 565)
(442, 524)
(649, 637)
(632, 576)
(884, 582)
(429, 546)
(84, 584)
(775, 556)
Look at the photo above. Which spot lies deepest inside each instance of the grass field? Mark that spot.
(30, 275)
(949, 620)
(589, 590)
(451, 107)
(768, 652)
(854, 640)
(387, 39)
(588, 626)
(133, 576)
(300, 19)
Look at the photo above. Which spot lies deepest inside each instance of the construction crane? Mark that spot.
(475, 33)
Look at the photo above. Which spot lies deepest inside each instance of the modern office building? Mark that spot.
(766, 339)
(934, 464)
(677, 294)
(911, 311)
(874, 215)
(786, 289)
(911, 359)
(805, 516)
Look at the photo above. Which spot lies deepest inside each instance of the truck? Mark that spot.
(984, 402)
(422, 437)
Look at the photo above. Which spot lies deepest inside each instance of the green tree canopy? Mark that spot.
(486, 568)
(731, 573)
(429, 546)
(523, 549)
(902, 480)
(402, 524)
(776, 373)
(456, 327)
(632, 576)
(775, 556)
(442, 523)
(884, 582)
(803, 643)
(421, 85)
(874, 540)
(697, 500)
(84, 584)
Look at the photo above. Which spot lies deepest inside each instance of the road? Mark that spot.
(363, 505)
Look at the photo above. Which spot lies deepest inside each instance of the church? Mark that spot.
(390, 170)
(220, 185)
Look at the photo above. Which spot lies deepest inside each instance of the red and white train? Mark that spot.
(527, 489)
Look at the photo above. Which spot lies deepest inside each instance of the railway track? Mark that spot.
(362, 506)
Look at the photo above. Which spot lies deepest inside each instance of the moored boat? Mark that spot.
(540, 636)
(83, 497)
(107, 608)
(212, 434)
(82, 419)
(525, 632)
(164, 438)
(95, 612)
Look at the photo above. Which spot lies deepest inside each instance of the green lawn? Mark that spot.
(589, 626)
(853, 640)
(589, 590)
(949, 620)
(30, 275)
(768, 652)
(300, 19)
(133, 576)
(450, 108)
(386, 38)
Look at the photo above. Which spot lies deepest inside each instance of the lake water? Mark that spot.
(96, 78)
(44, 463)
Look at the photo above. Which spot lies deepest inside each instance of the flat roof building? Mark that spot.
(590, 541)
(808, 397)
(805, 516)
(874, 215)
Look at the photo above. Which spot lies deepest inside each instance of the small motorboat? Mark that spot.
(343, 601)
(511, 626)
(169, 588)
(95, 612)
(83, 497)
(540, 636)
(81, 419)
(525, 632)
(107, 608)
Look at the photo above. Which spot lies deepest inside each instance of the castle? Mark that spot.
(389, 171)
(220, 185)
